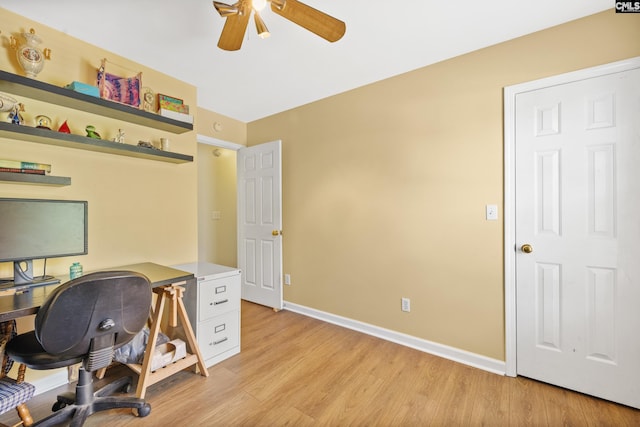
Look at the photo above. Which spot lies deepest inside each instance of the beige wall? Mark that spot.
(215, 125)
(139, 210)
(385, 186)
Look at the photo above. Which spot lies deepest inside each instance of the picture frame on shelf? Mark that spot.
(124, 90)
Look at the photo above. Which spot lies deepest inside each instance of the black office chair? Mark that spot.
(85, 320)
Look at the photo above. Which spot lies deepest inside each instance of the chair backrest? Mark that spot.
(93, 315)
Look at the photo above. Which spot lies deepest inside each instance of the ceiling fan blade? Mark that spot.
(226, 9)
(233, 31)
(319, 23)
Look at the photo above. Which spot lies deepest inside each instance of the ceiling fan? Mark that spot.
(238, 14)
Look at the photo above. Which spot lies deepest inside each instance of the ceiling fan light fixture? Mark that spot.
(259, 4)
(319, 23)
(261, 27)
(226, 10)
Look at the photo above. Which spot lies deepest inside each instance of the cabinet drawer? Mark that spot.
(218, 296)
(219, 334)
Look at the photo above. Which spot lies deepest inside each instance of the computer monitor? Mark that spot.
(39, 229)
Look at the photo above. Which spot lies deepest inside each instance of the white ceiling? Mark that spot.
(294, 67)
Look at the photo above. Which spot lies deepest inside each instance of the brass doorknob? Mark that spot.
(527, 248)
(276, 232)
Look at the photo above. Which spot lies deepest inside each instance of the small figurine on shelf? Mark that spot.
(91, 132)
(15, 115)
(146, 144)
(64, 128)
(119, 137)
(43, 122)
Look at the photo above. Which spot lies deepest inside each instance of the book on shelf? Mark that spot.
(167, 98)
(27, 171)
(18, 164)
(181, 117)
(173, 106)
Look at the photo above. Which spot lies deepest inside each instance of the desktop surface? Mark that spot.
(159, 275)
(18, 302)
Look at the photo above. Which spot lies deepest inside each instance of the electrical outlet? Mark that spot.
(406, 304)
(287, 279)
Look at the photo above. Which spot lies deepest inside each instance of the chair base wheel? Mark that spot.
(143, 411)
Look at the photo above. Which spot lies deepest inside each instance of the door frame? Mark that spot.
(204, 139)
(510, 244)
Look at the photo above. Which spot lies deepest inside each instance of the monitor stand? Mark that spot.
(37, 281)
(23, 276)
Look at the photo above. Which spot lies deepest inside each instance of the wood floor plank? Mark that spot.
(294, 370)
(352, 402)
(458, 395)
(491, 406)
(564, 406)
(527, 404)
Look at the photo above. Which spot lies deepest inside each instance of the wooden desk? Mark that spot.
(26, 302)
(166, 281)
(23, 303)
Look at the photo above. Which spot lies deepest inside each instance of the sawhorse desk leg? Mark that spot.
(172, 293)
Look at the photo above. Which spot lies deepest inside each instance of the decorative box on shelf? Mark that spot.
(84, 88)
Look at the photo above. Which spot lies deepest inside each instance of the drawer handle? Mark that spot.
(219, 341)
(220, 302)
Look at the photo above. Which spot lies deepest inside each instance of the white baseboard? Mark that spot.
(444, 351)
(49, 382)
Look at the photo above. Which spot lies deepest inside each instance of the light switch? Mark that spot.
(492, 212)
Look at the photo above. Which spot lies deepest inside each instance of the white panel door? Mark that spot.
(260, 223)
(577, 189)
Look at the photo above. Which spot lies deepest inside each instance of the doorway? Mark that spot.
(217, 205)
(240, 214)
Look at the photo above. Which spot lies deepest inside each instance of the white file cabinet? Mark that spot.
(213, 306)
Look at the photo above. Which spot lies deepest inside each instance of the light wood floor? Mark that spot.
(298, 371)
